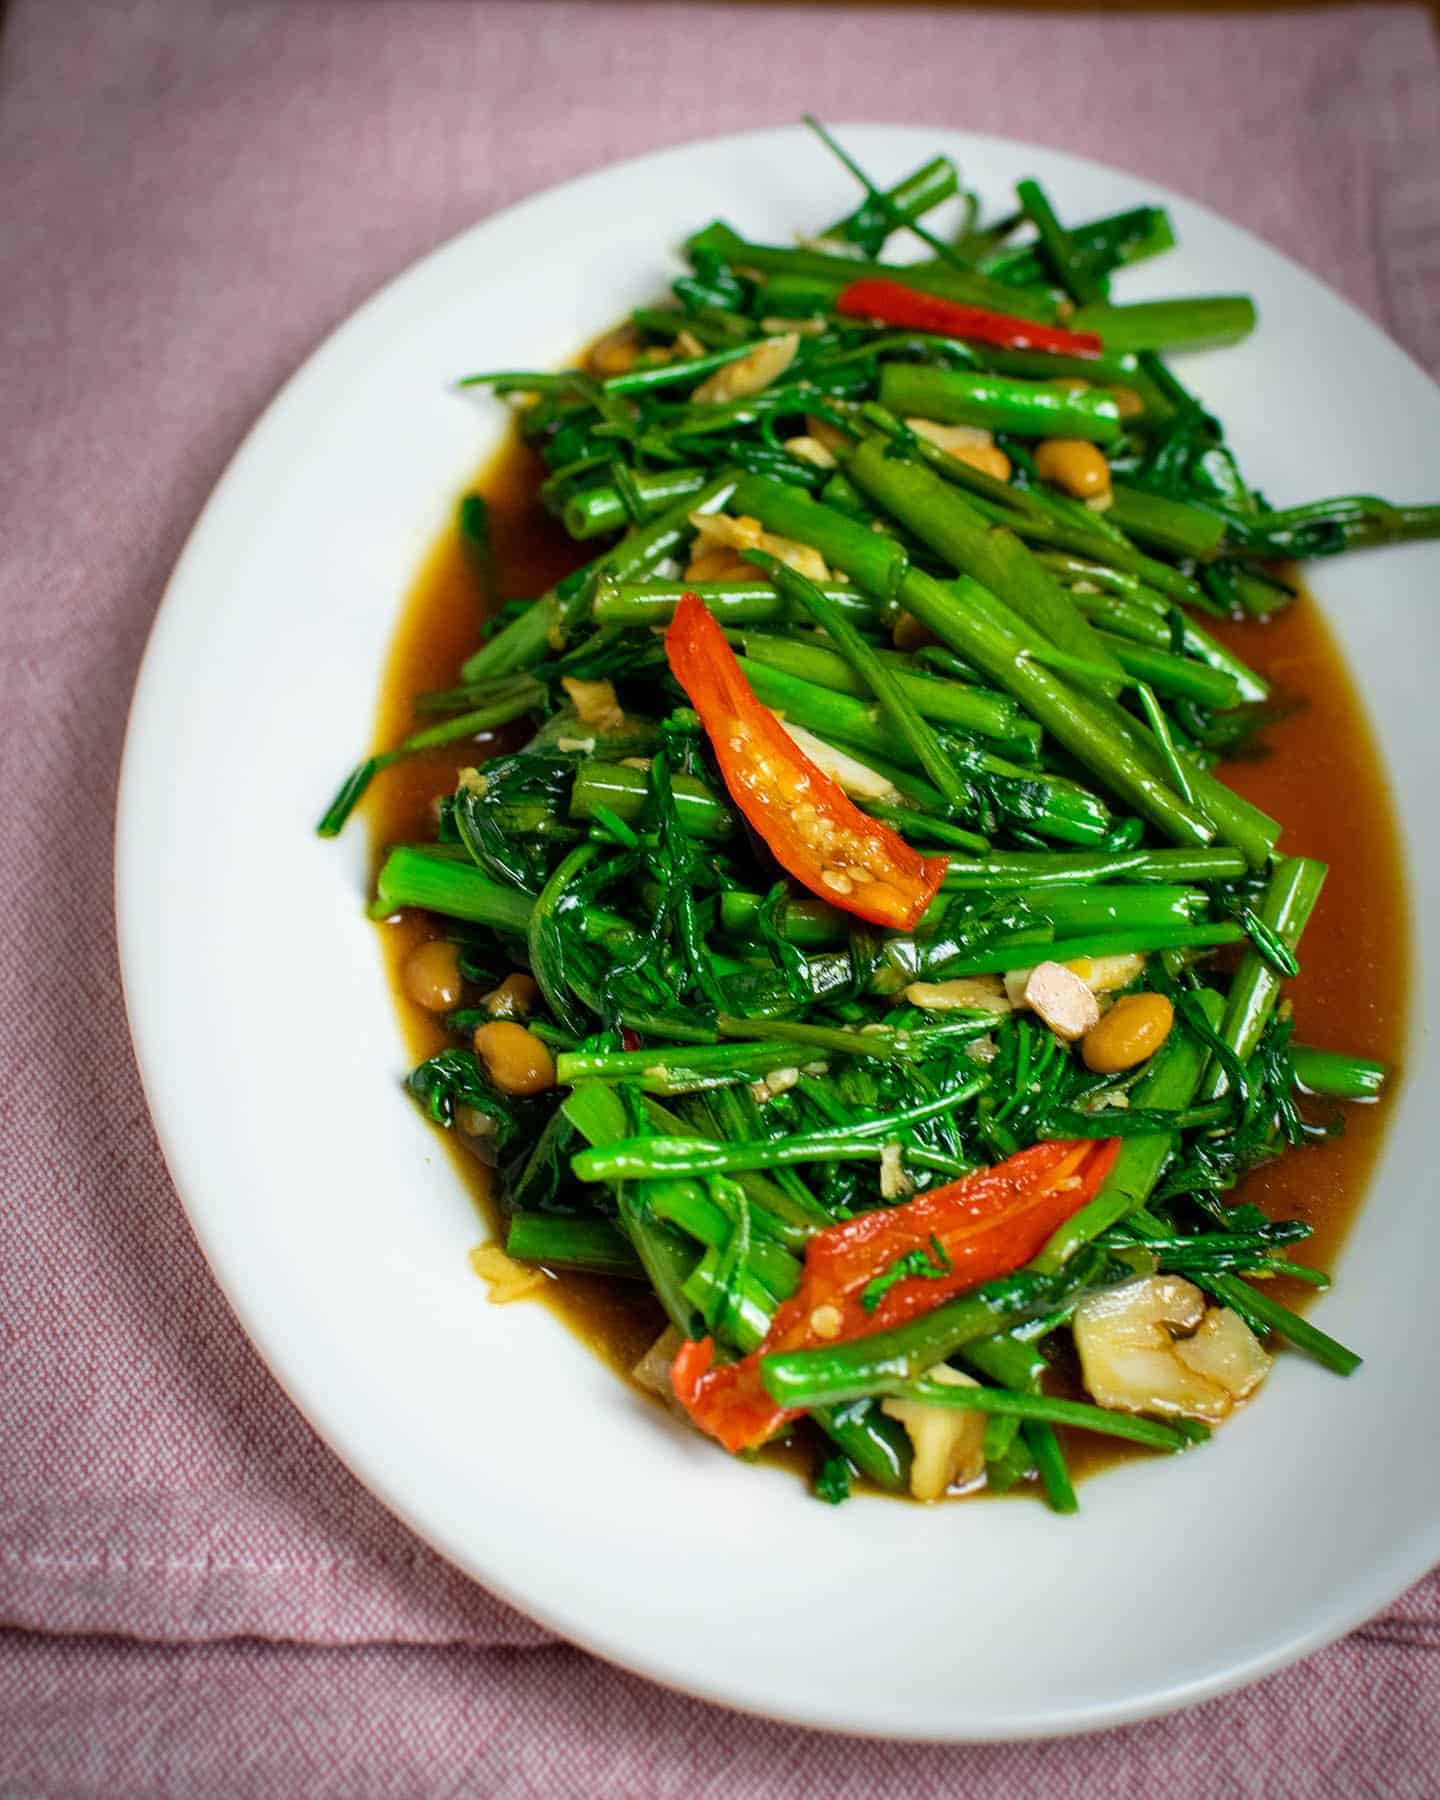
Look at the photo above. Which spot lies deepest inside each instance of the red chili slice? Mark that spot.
(892, 303)
(987, 1224)
(813, 831)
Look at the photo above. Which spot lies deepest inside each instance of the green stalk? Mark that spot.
(1083, 286)
(1111, 242)
(528, 638)
(941, 517)
(895, 701)
(601, 508)
(626, 793)
(969, 709)
(877, 562)
(670, 1068)
(1169, 324)
(1169, 1084)
(1019, 868)
(903, 1353)
(1086, 907)
(1169, 526)
(999, 403)
(666, 1257)
(835, 272)
(1180, 677)
(686, 1205)
(732, 602)
(920, 192)
(593, 1245)
(506, 704)
(1050, 1466)
(1014, 953)
(1037, 514)
(978, 627)
(1229, 815)
(419, 875)
(1000, 1403)
(690, 369)
(974, 623)
(1061, 808)
(1285, 907)
(1337, 1075)
(1133, 612)
(646, 1158)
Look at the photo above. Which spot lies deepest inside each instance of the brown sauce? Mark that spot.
(1320, 774)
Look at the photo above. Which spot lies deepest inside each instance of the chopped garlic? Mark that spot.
(827, 1321)
(830, 246)
(831, 436)
(951, 437)
(778, 1081)
(895, 1184)
(855, 778)
(811, 450)
(812, 327)
(948, 1445)
(508, 1280)
(1225, 1349)
(594, 702)
(719, 531)
(652, 1372)
(749, 374)
(967, 993)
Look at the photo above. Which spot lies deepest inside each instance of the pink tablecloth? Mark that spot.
(194, 192)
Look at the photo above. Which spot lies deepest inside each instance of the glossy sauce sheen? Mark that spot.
(1319, 774)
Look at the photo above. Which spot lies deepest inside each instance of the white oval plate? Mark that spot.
(273, 1061)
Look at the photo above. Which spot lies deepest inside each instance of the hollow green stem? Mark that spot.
(999, 403)
(1285, 907)
(1169, 324)
(833, 272)
(732, 602)
(1169, 526)
(593, 1245)
(940, 516)
(626, 793)
(417, 875)
(595, 510)
(1019, 868)
(896, 703)
(1336, 1074)
(969, 709)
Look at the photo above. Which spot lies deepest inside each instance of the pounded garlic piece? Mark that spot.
(854, 777)
(1224, 1349)
(1125, 1337)
(948, 1445)
(751, 373)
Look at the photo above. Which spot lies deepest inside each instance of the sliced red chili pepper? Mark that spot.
(986, 1225)
(813, 831)
(892, 303)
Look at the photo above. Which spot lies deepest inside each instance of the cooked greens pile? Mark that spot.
(864, 951)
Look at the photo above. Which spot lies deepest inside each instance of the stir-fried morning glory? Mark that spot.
(865, 951)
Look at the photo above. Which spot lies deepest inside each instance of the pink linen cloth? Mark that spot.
(195, 192)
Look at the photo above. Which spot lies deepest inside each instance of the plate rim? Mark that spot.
(1400, 1569)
